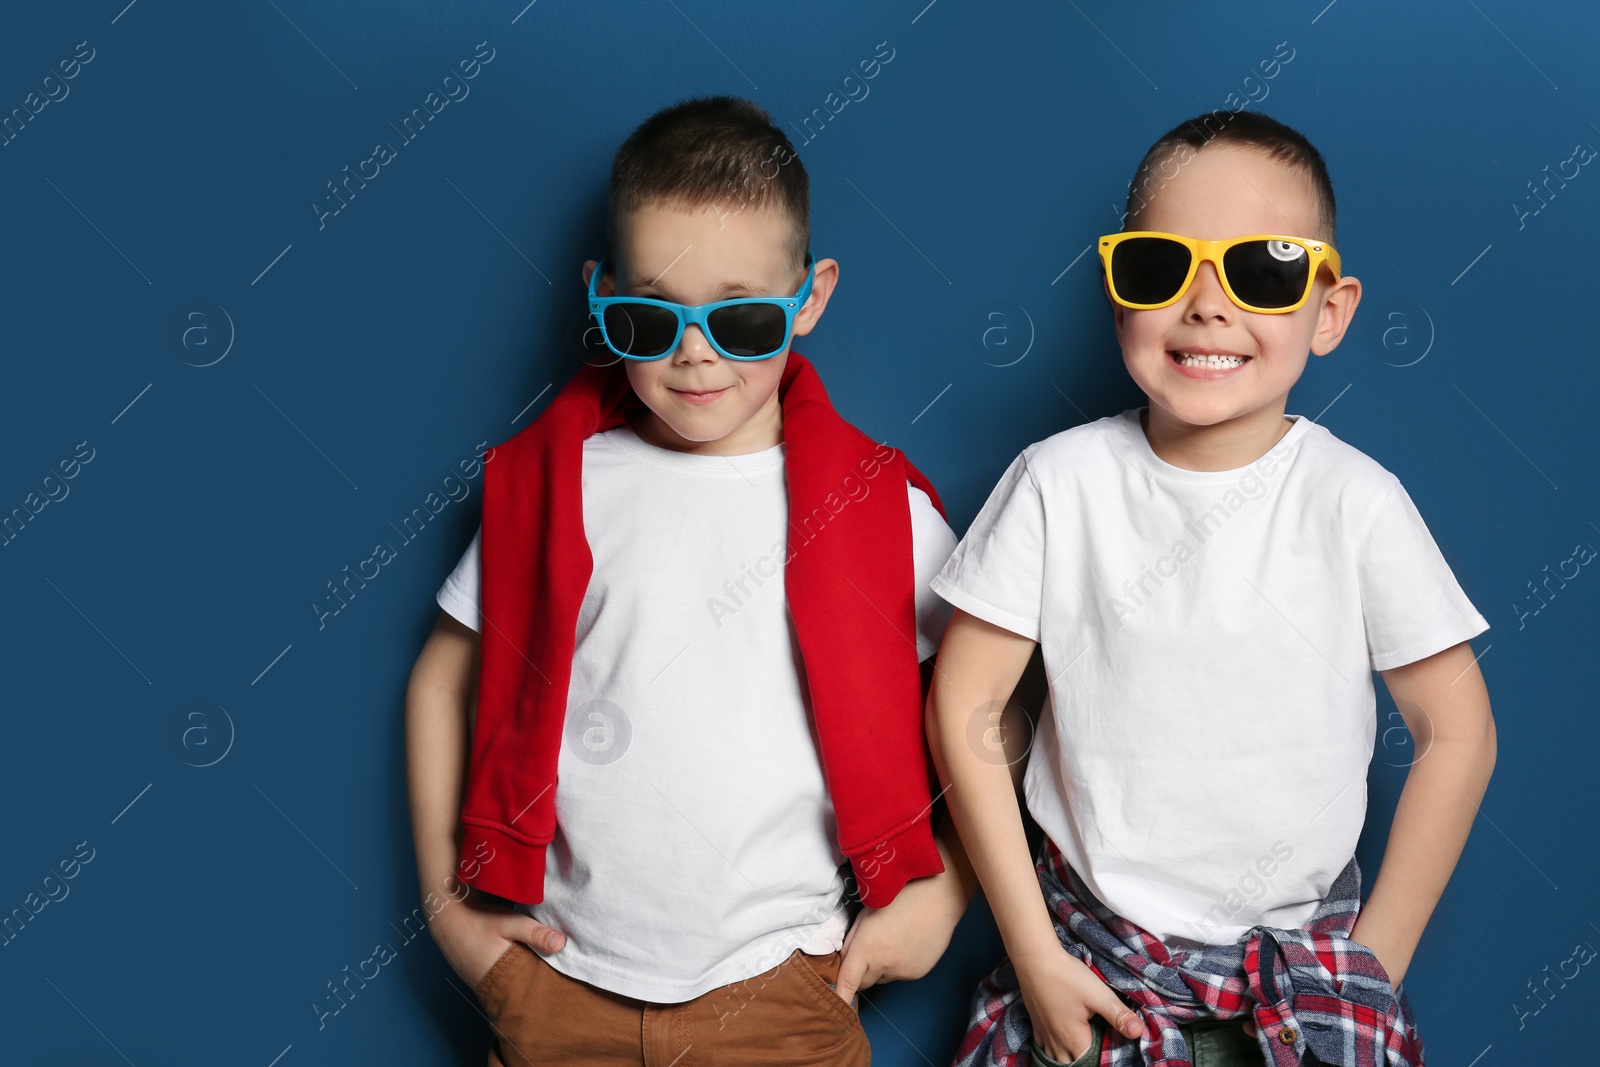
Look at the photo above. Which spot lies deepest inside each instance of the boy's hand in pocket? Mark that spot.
(1062, 995)
(473, 934)
(903, 939)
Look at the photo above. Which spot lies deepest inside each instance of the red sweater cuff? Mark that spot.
(883, 870)
(495, 862)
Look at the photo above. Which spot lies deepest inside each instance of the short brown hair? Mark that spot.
(1247, 129)
(712, 149)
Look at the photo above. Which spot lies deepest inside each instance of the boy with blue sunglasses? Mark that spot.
(1212, 584)
(696, 803)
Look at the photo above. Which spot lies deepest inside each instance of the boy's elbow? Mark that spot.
(447, 663)
(1487, 739)
(1477, 749)
(939, 726)
(931, 723)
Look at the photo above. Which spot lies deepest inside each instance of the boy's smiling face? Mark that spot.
(697, 400)
(1229, 191)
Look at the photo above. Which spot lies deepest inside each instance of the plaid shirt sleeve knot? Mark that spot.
(1309, 991)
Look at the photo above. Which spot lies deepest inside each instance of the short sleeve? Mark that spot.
(1411, 603)
(932, 541)
(459, 593)
(997, 571)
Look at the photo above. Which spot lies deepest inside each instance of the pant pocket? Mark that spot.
(1090, 1057)
(1223, 1043)
(786, 1017)
(821, 974)
(487, 987)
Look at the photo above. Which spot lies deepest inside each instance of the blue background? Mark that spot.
(364, 359)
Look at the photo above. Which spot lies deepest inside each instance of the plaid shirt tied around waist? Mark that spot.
(1309, 991)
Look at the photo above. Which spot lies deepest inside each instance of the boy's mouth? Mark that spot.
(1206, 362)
(700, 397)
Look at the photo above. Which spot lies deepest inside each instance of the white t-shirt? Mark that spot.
(1209, 637)
(695, 841)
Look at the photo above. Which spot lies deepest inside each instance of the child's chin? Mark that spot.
(1194, 412)
(708, 427)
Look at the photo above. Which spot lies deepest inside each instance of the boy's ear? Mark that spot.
(1338, 308)
(822, 283)
(605, 287)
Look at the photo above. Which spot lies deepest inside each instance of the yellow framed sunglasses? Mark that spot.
(1267, 273)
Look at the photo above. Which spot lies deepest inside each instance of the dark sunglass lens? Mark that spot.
(749, 329)
(640, 329)
(1267, 274)
(1148, 270)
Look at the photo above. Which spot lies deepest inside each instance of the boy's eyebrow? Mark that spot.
(743, 289)
(727, 290)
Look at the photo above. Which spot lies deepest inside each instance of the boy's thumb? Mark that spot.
(1118, 1014)
(542, 936)
(851, 970)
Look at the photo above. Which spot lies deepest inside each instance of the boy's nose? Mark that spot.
(1206, 299)
(694, 348)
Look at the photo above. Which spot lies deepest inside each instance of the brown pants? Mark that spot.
(786, 1017)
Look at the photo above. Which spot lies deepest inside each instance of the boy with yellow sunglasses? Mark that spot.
(1212, 583)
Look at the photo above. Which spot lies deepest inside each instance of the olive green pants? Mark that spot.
(1212, 1043)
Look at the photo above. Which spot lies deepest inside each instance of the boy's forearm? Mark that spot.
(982, 799)
(435, 750)
(984, 806)
(1454, 734)
(958, 881)
(1430, 828)
(437, 735)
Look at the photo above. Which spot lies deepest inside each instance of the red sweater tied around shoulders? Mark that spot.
(850, 581)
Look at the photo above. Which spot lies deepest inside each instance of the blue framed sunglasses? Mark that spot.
(752, 327)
